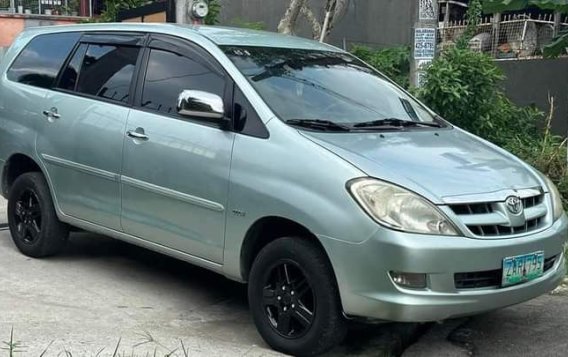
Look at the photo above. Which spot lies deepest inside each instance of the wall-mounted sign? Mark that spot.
(427, 10)
(424, 43)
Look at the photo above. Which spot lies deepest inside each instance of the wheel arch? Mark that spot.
(16, 165)
(268, 229)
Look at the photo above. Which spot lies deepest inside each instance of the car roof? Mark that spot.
(221, 36)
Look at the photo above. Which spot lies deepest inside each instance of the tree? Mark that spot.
(334, 11)
(214, 11)
(559, 43)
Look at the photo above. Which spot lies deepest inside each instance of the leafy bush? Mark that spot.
(464, 87)
(547, 153)
(393, 62)
(212, 17)
(112, 7)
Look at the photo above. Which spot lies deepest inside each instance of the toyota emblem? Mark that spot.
(514, 205)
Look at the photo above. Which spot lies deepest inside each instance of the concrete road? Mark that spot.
(101, 290)
(535, 328)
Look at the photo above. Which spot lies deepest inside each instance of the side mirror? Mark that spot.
(196, 103)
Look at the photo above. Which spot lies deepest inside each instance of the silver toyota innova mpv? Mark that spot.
(273, 160)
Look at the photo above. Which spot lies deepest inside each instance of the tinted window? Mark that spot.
(107, 71)
(69, 77)
(39, 63)
(168, 74)
(312, 84)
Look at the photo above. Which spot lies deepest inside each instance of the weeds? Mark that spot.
(15, 348)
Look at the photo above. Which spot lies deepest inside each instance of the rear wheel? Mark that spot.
(294, 298)
(35, 228)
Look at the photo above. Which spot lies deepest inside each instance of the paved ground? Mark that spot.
(101, 290)
(536, 328)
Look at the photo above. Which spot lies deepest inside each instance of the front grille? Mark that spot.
(529, 202)
(489, 278)
(476, 280)
(498, 230)
(491, 219)
(472, 208)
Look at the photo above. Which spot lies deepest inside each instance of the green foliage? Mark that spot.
(464, 87)
(492, 6)
(461, 85)
(212, 17)
(393, 62)
(112, 7)
(473, 17)
(547, 153)
(252, 25)
(557, 47)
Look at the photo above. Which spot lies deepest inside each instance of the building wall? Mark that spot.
(530, 82)
(379, 23)
(12, 24)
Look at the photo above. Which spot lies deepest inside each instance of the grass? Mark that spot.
(13, 346)
(17, 348)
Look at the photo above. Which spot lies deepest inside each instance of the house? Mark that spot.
(15, 15)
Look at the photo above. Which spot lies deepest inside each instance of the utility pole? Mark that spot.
(423, 39)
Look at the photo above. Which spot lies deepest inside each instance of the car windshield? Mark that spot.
(323, 85)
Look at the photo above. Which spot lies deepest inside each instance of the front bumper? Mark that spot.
(367, 290)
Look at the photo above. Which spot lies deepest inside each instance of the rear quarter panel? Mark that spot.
(20, 108)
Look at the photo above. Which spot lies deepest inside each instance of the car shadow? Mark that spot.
(363, 339)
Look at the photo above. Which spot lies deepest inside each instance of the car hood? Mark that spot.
(439, 165)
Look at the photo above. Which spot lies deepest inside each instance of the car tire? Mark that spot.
(33, 222)
(294, 299)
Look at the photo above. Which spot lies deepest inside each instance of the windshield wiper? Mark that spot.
(395, 122)
(318, 124)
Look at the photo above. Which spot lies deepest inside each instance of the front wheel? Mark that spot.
(294, 298)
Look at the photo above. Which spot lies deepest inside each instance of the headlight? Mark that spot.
(400, 209)
(557, 207)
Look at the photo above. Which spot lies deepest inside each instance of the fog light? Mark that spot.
(409, 280)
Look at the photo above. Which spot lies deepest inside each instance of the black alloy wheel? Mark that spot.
(27, 217)
(288, 299)
(294, 298)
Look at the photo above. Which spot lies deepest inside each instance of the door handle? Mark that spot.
(136, 134)
(52, 113)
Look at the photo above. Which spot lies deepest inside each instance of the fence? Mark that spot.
(507, 36)
(48, 7)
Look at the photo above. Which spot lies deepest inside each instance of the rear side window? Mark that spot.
(107, 71)
(41, 60)
(69, 77)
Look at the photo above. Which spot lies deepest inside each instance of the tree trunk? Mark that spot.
(316, 27)
(288, 22)
(336, 9)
